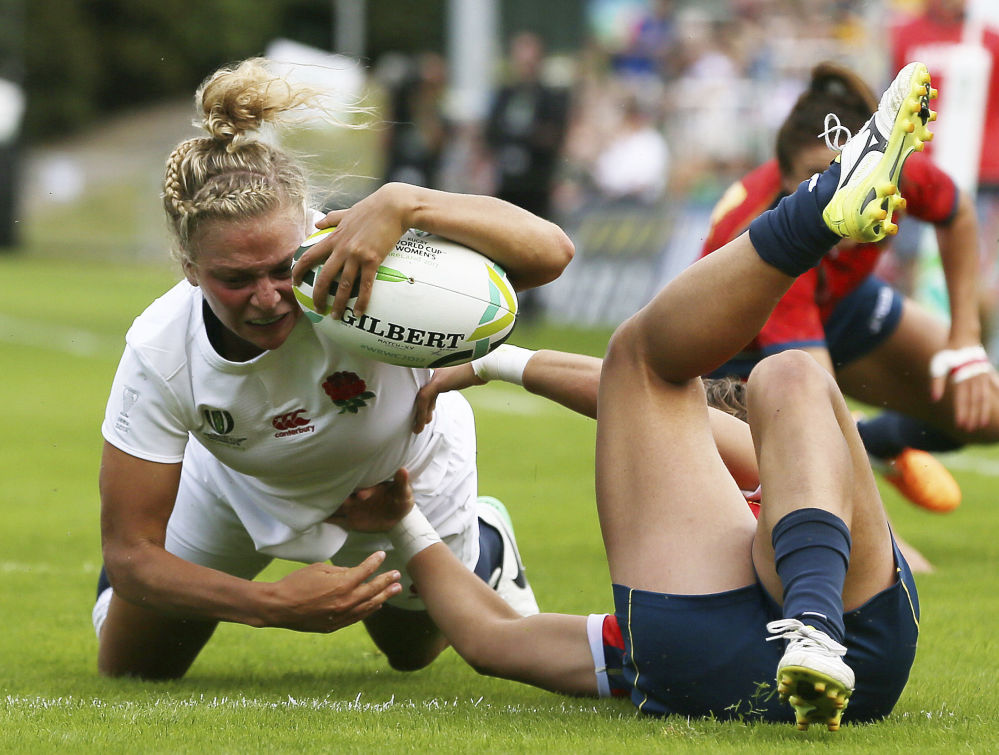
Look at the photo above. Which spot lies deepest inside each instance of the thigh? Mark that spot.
(672, 517)
(140, 642)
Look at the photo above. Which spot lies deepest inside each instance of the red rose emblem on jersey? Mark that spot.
(348, 391)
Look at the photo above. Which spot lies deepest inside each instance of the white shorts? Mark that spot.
(206, 529)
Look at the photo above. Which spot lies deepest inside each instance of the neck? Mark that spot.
(226, 343)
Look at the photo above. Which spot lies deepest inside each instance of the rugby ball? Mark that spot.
(434, 303)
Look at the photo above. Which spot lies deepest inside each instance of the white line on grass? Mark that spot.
(240, 702)
(968, 461)
(45, 335)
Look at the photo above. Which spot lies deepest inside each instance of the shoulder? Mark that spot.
(161, 334)
(929, 191)
(741, 203)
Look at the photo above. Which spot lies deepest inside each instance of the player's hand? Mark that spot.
(378, 508)
(351, 254)
(324, 598)
(973, 381)
(973, 400)
(444, 379)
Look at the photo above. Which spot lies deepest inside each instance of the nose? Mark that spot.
(267, 294)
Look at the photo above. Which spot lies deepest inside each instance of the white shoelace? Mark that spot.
(804, 636)
(835, 134)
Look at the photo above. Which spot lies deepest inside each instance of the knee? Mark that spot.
(624, 342)
(412, 661)
(789, 375)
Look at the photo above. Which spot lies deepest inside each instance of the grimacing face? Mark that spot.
(244, 271)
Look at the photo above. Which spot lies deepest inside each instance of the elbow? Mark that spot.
(563, 250)
(549, 265)
(123, 565)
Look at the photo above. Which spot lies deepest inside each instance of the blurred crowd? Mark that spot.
(667, 104)
(667, 97)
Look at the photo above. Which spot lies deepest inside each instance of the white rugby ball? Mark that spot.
(434, 303)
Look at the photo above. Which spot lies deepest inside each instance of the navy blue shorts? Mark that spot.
(859, 324)
(707, 655)
(863, 320)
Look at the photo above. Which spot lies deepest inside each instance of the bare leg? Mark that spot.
(409, 639)
(811, 456)
(672, 518)
(139, 642)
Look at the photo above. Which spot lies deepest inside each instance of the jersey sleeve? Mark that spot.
(796, 321)
(743, 201)
(930, 194)
(141, 417)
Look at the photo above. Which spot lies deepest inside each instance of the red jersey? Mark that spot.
(798, 320)
(926, 38)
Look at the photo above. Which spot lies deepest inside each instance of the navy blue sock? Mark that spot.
(793, 237)
(490, 552)
(888, 434)
(812, 553)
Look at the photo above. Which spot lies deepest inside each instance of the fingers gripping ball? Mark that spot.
(434, 303)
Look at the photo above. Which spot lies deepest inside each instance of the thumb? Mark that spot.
(401, 478)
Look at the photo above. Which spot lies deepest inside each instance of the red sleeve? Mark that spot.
(796, 321)
(741, 203)
(930, 194)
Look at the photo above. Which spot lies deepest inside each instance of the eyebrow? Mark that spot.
(224, 269)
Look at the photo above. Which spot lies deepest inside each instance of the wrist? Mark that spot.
(960, 364)
(506, 363)
(412, 534)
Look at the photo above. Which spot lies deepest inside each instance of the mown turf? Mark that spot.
(61, 329)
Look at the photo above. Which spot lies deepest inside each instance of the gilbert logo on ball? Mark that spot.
(434, 303)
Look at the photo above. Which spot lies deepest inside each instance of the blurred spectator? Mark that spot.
(11, 109)
(419, 128)
(634, 165)
(647, 55)
(932, 36)
(526, 128)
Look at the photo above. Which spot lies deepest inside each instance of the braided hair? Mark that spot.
(232, 174)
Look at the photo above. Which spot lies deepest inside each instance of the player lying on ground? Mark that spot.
(697, 579)
(573, 380)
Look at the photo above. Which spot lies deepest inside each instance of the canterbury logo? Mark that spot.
(290, 420)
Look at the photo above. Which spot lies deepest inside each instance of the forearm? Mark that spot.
(958, 243)
(572, 380)
(149, 576)
(547, 650)
(532, 250)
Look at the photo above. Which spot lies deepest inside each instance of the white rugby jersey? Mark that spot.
(297, 428)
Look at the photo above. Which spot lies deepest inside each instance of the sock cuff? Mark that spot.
(811, 527)
(793, 237)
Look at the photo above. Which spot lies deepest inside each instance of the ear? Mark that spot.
(190, 272)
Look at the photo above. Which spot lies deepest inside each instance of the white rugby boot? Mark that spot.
(812, 676)
(509, 580)
(867, 193)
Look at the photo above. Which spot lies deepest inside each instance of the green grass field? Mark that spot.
(61, 329)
